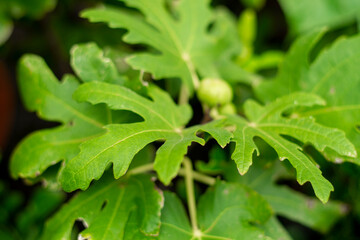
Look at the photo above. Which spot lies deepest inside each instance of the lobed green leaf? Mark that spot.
(106, 208)
(286, 202)
(334, 76)
(163, 120)
(90, 64)
(268, 123)
(52, 100)
(183, 44)
(308, 15)
(222, 207)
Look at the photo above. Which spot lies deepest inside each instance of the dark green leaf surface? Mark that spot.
(306, 15)
(225, 211)
(268, 123)
(286, 202)
(294, 68)
(41, 205)
(275, 230)
(34, 9)
(18, 8)
(106, 208)
(163, 120)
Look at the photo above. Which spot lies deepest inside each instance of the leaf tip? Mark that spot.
(242, 171)
(353, 153)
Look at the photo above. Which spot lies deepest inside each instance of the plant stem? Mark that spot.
(184, 95)
(182, 172)
(199, 177)
(141, 169)
(189, 183)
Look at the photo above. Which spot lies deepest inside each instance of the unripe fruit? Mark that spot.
(213, 91)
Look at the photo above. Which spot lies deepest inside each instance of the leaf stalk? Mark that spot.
(189, 183)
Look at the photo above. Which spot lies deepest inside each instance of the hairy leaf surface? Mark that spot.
(268, 123)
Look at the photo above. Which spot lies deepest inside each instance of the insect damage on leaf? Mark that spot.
(113, 205)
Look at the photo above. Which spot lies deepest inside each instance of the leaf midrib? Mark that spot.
(314, 177)
(114, 212)
(151, 112)
(116, 143)
(179, 47)
(72, 109)
(281, 125)
(322, 81)
(142, 193)
(84, 202)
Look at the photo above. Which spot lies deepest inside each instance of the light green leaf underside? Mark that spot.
(107, 208)
(163, 120)
(334, 76)
(286, 202)
(220, 209)
(268, 123)
(306, 15)
(52, 100)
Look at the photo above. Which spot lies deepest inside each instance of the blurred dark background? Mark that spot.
(51, 34)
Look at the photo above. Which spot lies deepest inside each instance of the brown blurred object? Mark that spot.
(7, 106)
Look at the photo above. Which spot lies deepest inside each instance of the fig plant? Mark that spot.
(125, 141)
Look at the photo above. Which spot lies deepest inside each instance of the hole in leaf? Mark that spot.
(210, 27)
(104, 205)
(253, 223)
(79, 226)
(71, 123)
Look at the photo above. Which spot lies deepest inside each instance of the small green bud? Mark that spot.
(227, 109)
(247, 27)
(213, 91)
